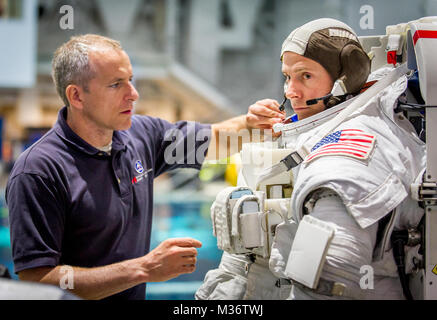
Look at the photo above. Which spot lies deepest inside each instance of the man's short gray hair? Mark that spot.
(70, 64)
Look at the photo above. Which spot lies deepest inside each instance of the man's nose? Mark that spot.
(292, 90)
(133, 93)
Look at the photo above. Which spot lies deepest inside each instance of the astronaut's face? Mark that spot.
(305, 79)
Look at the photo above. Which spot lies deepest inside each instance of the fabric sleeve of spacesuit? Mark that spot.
(351, 247)
(228, 281)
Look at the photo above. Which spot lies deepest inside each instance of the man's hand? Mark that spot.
(264, 114)
(171, 258)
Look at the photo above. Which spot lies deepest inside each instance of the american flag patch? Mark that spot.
(353, 143)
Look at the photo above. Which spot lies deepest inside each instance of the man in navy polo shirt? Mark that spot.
(80, 199)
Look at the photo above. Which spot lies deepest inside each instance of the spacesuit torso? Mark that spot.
(369, 164)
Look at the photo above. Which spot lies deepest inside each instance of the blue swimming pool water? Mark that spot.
(5, 250)
(184, 219)
(5, 242)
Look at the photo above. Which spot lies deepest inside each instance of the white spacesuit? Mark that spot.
(363, 195)
(349, 194)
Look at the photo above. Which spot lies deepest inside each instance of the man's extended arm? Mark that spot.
(227, 136)
(170, 259)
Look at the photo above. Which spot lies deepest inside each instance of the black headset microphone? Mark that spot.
(308, 102)
(314, 101)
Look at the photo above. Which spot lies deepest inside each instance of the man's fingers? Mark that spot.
(270, 104)
(191, 260)
(260, 120)
(188, 252)
(264, 114)
(188, 268)
(266, 111)
(185, 242)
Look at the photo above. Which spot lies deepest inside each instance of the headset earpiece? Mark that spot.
(354, 78)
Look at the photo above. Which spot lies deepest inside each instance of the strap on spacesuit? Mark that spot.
(333, 288)
(297, 157)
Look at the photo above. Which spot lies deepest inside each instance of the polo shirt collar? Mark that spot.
(68, 135)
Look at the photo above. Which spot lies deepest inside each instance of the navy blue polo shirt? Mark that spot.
(72, 204)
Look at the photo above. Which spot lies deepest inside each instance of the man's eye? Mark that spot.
(115, 85)
(306, 76)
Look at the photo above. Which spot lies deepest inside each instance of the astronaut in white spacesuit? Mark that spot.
(349, 193)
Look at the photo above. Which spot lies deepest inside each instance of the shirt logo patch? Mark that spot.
(141, 176)
(353, 143)
(139, 167)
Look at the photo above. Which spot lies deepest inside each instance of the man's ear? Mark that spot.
(74, 95)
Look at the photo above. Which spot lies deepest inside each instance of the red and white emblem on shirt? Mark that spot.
(353, 143)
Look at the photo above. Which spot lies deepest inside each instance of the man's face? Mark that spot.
(305, 79)
(108, 102)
